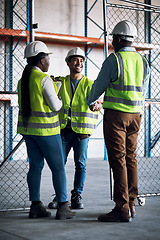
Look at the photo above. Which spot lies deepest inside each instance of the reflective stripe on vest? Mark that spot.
(41, 114)
(83, 120)
(40, 125)
(43, 121)
(84, 114)
(83, 125)
(123, 101)
(123, 94)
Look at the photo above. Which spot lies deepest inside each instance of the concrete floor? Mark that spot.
(15, 225)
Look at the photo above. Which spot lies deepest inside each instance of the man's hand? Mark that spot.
(96, 106)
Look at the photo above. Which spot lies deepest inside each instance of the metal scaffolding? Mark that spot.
(150, 142)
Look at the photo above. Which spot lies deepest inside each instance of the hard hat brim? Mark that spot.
(36, 55)
(67, 58)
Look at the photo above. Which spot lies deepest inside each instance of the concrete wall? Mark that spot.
(67, 17)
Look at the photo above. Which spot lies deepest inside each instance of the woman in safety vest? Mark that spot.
(38, 122)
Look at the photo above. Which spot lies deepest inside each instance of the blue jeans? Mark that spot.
(50, 148)
(70, 139)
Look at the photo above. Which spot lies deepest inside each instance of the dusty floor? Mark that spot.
(15, 225)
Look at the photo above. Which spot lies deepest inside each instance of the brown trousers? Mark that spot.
(120, 133)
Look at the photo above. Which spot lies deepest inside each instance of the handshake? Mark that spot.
(97, 105)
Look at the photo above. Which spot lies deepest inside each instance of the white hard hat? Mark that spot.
(33, 48)
(126, 29)
(75, 52)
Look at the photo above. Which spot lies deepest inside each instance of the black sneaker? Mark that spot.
(76, 201)
(53, 204)
(38, 211)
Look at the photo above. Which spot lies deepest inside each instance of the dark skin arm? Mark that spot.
(96, 106)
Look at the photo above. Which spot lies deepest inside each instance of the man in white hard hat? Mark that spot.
(77, 121)
(123, 78)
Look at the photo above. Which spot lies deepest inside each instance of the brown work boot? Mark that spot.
(132, 211)
(115, 216)
(38, 211)
(64, 212)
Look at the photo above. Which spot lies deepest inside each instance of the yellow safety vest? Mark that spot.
(126, 94)
(43, 121)
(83, 120)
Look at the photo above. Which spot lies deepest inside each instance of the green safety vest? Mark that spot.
(83, 120)
(126, 94)
(43, 121)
